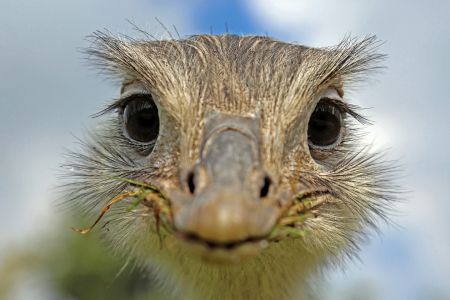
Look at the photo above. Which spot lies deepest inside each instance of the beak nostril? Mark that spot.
(265, 188)
(190, 181)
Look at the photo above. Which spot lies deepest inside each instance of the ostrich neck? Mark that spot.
(279, 272)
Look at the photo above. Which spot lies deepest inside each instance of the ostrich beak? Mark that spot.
(227, 216)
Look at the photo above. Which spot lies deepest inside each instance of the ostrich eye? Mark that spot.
(141, 120)
(324, 127)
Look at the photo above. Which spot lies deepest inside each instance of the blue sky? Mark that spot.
(215, 14)
(47, 93)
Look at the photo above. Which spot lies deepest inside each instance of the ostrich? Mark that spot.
(235, 164)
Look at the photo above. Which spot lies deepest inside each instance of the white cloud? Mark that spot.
(323, 22)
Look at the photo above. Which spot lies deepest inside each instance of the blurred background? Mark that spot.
(47, 93)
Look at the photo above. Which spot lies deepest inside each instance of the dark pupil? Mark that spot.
(323, 128)
(142, 124)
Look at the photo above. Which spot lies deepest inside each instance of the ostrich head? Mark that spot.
(254, 148)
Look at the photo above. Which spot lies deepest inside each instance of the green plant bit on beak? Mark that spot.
(283, 231)
(150, 196)
(294, 219)
(296, 214)
(138, 200)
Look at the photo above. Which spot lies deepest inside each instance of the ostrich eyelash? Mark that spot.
(118, 103)
(349, 109)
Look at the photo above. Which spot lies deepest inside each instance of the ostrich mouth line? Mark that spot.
(222, 253)
(211, 245)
